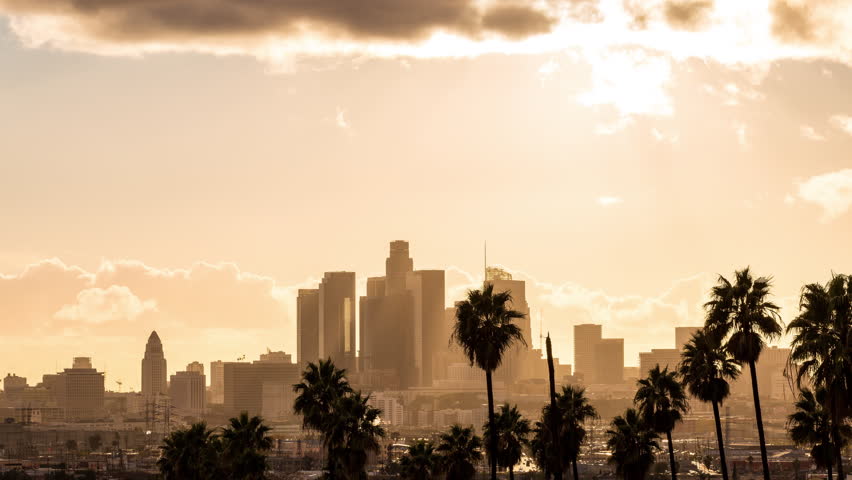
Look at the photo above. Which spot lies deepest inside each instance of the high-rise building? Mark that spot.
(428, 294)
(244, 382)
(217, 382)
(196, 367)
(683, 335)
(187, 391)
(337, 318)
(81, 391)
(586, 338)
(397, 267)
(609, 361)
(519, 360)
(154, 368)
(307, 326)
(14, 386)
(664, 357)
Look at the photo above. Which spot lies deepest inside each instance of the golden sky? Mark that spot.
(187, 168)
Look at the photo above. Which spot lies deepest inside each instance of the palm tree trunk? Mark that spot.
(828, 471)
(511, 472)
(759, 418)
(671, 455)
(720, 440)
(555, 418)
(835, 438)
(493, 437)
(574, 470)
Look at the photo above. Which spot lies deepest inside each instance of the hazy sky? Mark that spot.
(186, 166)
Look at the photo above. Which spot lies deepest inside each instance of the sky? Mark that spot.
(186, 167)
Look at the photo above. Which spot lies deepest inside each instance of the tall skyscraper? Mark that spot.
(154, 368)
(397, 267)
(586, 338)
(337, 318)
(307, 326)
(517, 363)
(217, 382)
(428, 294)
(196, 367)
(609, 361)
(187, 392)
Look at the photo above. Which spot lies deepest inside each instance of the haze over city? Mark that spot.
(189, 168)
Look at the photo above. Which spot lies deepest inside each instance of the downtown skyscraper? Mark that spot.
(154, 368)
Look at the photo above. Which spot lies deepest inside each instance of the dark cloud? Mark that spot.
(394, 20)
(687, 14)
(638, 13)
(793, 22)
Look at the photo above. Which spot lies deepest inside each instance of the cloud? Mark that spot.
(634, 82)
(608, 201)
(810, 133)
(687, 14)
(102, 305)
(661, 137)
(340, 119)
(842, 123)
(831, 191)
(809, 21)
(741, 130)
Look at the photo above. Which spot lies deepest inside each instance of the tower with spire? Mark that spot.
(154, 368)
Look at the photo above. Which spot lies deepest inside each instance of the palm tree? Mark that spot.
(662, 402)
(632, 444)
(742, 314)
(245, 442)
(810, 425)
(352, 432)
(460, 448)
(706, 367)
(322, 385)
(189, 454)
(485, 331)
(512, 433)
(822, 348)
(552, 415)
(420, 463)
(574, 410)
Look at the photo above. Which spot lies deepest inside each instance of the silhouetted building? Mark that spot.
(586, 338)
(683, 335)
(217, 382)
(337, 318)
(154, 368)
(187, 392)
(397, 266)
(609, 361)
(518, 363)
(13, 387)
(428, 290)
(81, 391)
(244, 382)
(664, 357)
(196, 367)
(307, 326)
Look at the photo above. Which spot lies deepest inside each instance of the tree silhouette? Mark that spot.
(661, 402)
(421, 462)
(632, 444)
(810, 425)
(485, 330)
(512, 432)
(459, 448)
(706, 367)
(742, 314)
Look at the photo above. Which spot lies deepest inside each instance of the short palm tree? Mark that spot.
(542, 445)
(460, 449)
(742, 314)
(575, 410)
(189, 454)
(353, 431)
(512, 433)
(661, 401)
(810, 425)
(322, 385)
(485, 330)
(420, 462)
(246, 440)
(632, 444)
(706, 367)
(822, 349)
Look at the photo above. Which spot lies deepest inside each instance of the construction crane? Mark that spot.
(241, 358)
(120, 383)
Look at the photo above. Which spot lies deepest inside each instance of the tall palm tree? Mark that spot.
(810, 425)
(512, 433)
(552, 416)
(743, 315)
(574, 410)
(485, 330)
(246, 440)
(352, 432)
(421, 462)
(632, 444)
(321, 386)
(822, 348)
(189, 453)
(661, 402)
(460, 448)
(706, 367)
